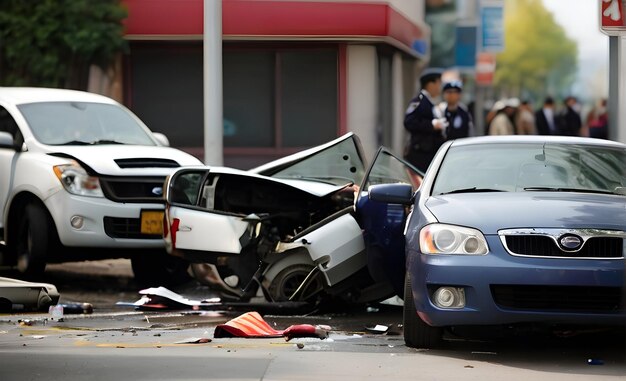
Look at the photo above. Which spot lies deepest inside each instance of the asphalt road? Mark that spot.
(121, 343)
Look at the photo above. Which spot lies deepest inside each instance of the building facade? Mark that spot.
(296, 73)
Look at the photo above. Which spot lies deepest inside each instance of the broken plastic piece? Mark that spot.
(378, 328)
(194, 340)
(252, 325)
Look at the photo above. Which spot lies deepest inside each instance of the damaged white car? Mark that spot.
(297, 229)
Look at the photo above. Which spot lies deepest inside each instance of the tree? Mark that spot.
(54, 42)
(538, 58)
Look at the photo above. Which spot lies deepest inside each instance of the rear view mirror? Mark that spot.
(162, 139)
(6, 140)
(392, 193)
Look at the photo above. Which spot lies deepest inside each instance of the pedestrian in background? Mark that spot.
(425, 122)
(502, 123)
(597, 121)
(525, 119)
(545, 118)
(570, 121)
(459, 120)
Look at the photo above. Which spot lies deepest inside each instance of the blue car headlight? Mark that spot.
(451, 239)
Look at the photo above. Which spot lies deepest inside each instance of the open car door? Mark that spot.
(382, 223)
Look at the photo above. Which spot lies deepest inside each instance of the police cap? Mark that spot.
(430, 75)
(453, 85)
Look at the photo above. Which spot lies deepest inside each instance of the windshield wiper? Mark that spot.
(105, 141)
(83, 143)
(555, 189)
(473, 190)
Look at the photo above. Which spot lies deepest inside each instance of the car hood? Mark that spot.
(125, 160)
(490, 212)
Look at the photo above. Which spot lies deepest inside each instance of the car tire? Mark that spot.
(288, 280)
(417, 333)
(157, 268)
(35, 238)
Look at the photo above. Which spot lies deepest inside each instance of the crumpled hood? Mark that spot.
(102, 158)
(490, 212)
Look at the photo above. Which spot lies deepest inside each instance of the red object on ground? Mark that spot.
(252, 325)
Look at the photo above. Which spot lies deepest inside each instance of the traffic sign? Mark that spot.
(612, 17)
(485, 68)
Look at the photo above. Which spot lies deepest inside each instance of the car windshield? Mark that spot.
(532, 167)
(339, 164)
(81, 123)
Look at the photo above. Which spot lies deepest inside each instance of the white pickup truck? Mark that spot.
(81, 177)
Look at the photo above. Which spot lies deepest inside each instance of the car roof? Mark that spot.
(22, 95)
(536, 139)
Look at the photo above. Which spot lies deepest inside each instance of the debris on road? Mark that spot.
(252, 325)
(161, 298)
(194, 340)
(19, 295)
(378, 328)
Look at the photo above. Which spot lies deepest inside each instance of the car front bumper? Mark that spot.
(63, 206)
(504, 289)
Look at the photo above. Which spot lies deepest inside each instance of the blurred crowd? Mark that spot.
(512, 116)
(436, 115)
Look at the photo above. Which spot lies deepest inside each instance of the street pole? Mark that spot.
(213, 96)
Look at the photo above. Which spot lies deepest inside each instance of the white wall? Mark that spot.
(362, 68)
(398, 107)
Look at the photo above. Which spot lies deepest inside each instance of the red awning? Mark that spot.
(274, 20)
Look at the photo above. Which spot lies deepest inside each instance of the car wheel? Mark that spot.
(289, 280)
(34, 238)
(157, 268)
(417, 333)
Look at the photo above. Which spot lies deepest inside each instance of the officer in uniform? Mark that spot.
(425, 122)
(459, 120)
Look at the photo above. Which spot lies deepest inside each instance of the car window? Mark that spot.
(339, 164)
(387, 169)
(61, 123)
(525, 167)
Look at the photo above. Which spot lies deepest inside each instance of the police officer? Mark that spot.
(425, 122)
(459, 120)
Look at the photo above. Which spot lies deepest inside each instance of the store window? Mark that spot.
(276, 99)
(280, 98)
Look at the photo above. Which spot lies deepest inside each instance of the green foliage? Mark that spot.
(538, 58)
(53, 42)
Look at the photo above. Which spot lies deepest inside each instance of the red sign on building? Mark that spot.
(485, 68)
(612, 17)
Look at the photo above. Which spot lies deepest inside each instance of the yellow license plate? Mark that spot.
(151, 222)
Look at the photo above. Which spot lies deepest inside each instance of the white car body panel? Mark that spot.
(336, 247)
(199, 230)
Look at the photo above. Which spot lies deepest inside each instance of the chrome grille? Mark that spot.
(601, 244)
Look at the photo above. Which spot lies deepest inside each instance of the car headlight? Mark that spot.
(451, 239)
(76, 180)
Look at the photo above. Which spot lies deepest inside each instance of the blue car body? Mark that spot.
(545, 252)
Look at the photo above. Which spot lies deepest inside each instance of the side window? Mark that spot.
(7, 123)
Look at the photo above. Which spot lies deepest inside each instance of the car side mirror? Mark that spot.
(392, 193)
(161, 138)
(6, 140)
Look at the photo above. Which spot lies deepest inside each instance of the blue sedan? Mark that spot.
(507, 230)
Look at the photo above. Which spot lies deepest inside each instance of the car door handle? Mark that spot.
(184, 228)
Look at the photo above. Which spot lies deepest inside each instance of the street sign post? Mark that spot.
(612, 22)
(612, 17)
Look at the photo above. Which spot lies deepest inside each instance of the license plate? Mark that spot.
(151, 222)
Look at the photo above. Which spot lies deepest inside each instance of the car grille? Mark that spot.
(116, 227)
(545, 246)
(557, 298)
(133, 189)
